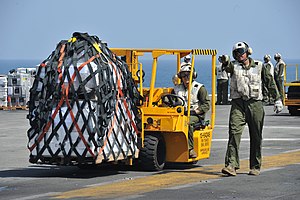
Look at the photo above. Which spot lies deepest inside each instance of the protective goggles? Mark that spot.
(239, 52)
(185, 74)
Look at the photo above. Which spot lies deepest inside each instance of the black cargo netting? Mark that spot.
(83, 105)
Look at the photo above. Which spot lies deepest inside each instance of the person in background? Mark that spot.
(222, 85)
(267, 98)
(278, 73)
(246, 106)
(200, 102)
(186, 61)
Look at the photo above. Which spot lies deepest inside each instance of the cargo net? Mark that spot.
(83, 106)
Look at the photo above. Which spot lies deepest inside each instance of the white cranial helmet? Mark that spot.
(184, 69)
(187, 58)
(267, 57)
(240, 48)
(277, 56)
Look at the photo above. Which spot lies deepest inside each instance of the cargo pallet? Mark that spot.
(4, 108)
(13, 108)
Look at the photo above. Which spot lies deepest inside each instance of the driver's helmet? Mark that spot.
(187, 58)
(185, 71)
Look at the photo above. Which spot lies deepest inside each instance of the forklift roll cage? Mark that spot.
(170, 122)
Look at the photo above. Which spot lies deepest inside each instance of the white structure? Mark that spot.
(19, 83)
(3, 90)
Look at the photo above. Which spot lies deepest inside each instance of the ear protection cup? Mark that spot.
(249, 49)
(194, 75)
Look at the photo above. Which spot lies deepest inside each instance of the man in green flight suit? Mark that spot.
(267, 99)
(247, 106)
(200, 102)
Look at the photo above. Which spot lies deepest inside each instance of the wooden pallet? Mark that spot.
(4, 108)
(13, 108)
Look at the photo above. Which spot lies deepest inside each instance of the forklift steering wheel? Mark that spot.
(173, 100)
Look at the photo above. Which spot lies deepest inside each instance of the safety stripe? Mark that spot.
(204, 52)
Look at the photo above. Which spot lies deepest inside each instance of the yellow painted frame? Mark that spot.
(286, 101)
(171, 123)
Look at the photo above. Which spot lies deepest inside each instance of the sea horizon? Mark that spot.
(166, 69)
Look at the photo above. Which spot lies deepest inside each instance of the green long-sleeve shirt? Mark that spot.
(204, 102)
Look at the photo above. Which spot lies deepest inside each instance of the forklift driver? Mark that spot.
(199, 105)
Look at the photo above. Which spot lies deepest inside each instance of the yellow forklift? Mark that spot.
(292, 89)
(164, 136)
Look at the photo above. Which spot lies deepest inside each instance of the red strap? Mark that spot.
(124, 100)
(46, 128)
(65, 96)
(78, 129)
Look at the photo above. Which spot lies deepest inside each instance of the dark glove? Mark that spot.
(225, 59)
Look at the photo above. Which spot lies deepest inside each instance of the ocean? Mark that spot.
(166, 69)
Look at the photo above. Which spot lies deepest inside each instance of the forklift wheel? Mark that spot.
(153, 156)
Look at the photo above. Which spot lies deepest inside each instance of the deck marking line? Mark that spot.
(173, 179)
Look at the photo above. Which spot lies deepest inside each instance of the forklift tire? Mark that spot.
(152, 156)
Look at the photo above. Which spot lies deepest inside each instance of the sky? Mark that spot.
(30, 29)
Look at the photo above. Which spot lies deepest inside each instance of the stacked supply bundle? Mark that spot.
(19, 83)
(83, 106)
(3, 90)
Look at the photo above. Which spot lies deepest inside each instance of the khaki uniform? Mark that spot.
(246, 93)
(267, 98)
(222, 85)
(278, 75)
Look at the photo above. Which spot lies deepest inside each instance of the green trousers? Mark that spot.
(222, 92)
(193, 119)
(267, 97)
(242, 112)
(279, 84)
